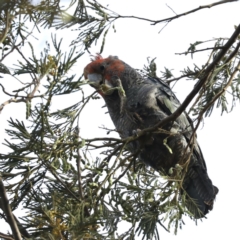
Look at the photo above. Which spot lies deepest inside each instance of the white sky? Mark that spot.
(133, 42)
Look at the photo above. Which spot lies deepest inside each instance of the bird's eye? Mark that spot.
(102, 67)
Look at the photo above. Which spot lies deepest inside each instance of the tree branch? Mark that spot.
(8, 212)
(178, 78)
(154, 22)
(22, 98)
(5, 236)
(192, 11)
(4, 33)
(79, 171)
(10, 101)
(199, 50)
(202, 81)
(237, 69)
(194, 92)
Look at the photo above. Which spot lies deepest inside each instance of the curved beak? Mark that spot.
(96, 80)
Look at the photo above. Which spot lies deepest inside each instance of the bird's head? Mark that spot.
(103, 73)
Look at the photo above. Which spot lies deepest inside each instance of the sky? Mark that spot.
(133, 42)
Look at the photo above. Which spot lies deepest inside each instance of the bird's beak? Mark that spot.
(96, 80)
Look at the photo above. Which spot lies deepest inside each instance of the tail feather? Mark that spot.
(200, 192)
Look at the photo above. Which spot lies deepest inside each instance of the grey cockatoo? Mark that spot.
(134, 103)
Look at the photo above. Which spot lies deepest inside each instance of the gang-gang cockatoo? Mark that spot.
(135, 103)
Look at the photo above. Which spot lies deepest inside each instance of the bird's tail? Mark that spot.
(200, 191)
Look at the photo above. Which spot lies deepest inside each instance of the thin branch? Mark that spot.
(202, 81)
(5, 236)
(169, 19)
(163, 226)
(163, 27)
(25, 98)
(5, 32)
(171, 9)
(199, 50)
(22, 55)
(192, 11)
(230, 57)
(15, 100)
(79, 169)
(178, 78)
(8, 212)
(36, 87)
(113, 169)
(13, 48)
(237, 69)
(52, 171)
(80, 189)
(104, 139)
(18, 90)
(9, 94)
(207, 75)
(21, 43)
(233, 54)
(128, 167)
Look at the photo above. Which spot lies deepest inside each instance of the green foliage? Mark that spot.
(224, 75)
(75, 188)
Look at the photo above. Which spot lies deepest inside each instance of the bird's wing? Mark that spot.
(197, 183)
(168, 102)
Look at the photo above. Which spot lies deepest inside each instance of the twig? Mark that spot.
(128, 167)
(52, 171)
(169, 19)
(226, 61)
(171, 9)
(5, 31)
(201, 92)
(79, 175)
(20, 89)
(10, 101)
(103, 139)
(8, 212)
(231, 56)
(22, 230)
(192, 11)
(194, 92)
(25, 59)
(112, 170)
(5, 236)
(237, 69)
(199, 50)
(203, 80)
(79, 169)
(9, 94)
(163, 27)
(178, 78)
(30, 95)
(50, 168)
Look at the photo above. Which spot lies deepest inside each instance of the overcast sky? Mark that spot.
(136, 40)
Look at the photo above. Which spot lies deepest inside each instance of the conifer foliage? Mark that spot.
(69, 187)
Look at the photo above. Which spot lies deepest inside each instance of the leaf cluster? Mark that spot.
(75, 188)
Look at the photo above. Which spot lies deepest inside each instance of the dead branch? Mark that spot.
(192, 11)
(169, 19)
